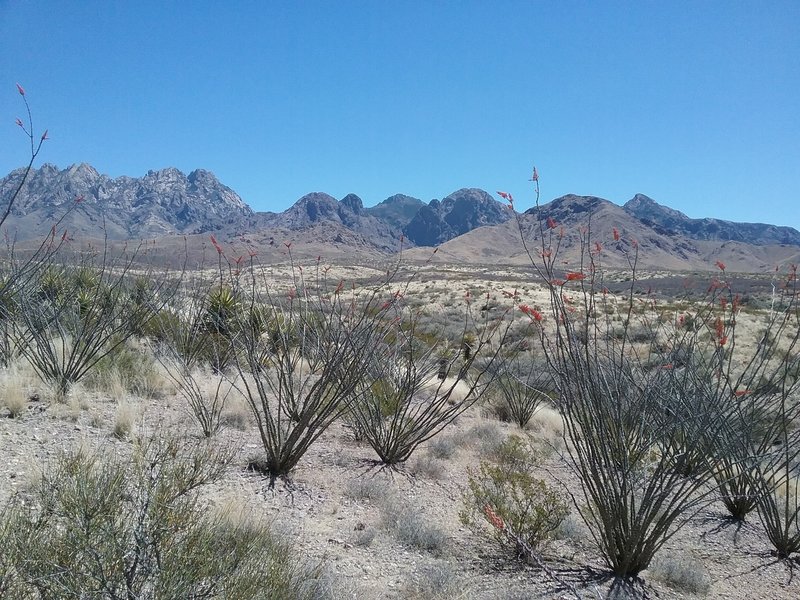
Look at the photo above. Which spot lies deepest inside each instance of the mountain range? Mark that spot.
(468, 225)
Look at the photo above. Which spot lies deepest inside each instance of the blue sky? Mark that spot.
(695, 104)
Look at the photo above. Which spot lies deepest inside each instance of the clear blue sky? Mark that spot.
(696, 104)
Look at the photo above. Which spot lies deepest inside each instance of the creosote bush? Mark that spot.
(507, 491)
(138, 529)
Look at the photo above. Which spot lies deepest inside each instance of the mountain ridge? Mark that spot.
(167, 202)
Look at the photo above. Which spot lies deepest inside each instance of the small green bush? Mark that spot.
(111, 528)
(506, 494)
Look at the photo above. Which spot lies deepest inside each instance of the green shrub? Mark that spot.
(508, 496)
(137, 529)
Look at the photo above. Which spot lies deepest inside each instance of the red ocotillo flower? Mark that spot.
(44, 135)
(215, 244)
(535, 176)
(21, 90)
(531, 312)
(493, 517)
(616, 234)
(598, 247)
(720, 265)
(551, 223)
(575, 276)
(20, 123)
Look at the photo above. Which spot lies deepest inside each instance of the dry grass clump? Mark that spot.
(236, 412)
(411, 527)
(437, 580)
(428, 466)
(484, 437)
(363, 535)
(460, 388)
(547, 428)
(443, 447)
(13, 391)
(125, 416)
(681, 573)
(365, 488)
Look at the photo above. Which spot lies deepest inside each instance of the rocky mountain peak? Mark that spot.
(163, 201)
(643, 207)
(353, 202)
(455, 215)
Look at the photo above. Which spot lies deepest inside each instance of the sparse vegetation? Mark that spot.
(139, 529)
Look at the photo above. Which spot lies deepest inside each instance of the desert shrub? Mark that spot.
(111, 528)
(643, 432)
(507, 495)
(428, 466)
(365, 488)
(300, 360)
(777, 473)
(436, 580)
(78, 313)
(443, 447)
(363, 535)
(411, 527)
(485, 437)
(683, 574)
